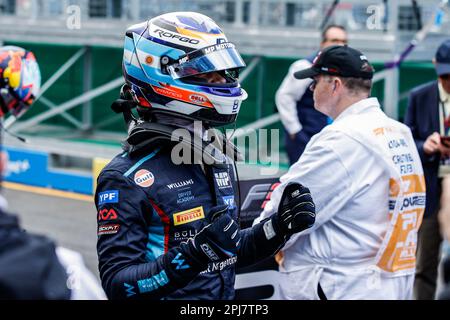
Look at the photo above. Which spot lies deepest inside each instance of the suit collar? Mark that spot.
(443, 95)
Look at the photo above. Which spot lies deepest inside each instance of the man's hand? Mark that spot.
(445, 146)
(296, 211)
(219, 240)
(432, 144)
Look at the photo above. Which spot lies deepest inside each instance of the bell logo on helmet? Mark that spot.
(198, 99)
(171, 35)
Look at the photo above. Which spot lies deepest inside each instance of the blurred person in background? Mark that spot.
(168, 227)
(361, 170)
(428, 116)
(295, 102)
(31, 267)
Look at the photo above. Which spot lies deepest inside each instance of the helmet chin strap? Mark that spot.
(174, 121)
(148, 134)
(190, 125)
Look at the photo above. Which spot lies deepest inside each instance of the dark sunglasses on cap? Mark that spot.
(445, 76)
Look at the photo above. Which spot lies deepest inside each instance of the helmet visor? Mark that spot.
(217, 57)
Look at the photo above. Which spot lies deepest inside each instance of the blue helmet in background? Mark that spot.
(163, 58)
(20, 80)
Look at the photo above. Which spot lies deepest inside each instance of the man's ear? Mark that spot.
(335, 84)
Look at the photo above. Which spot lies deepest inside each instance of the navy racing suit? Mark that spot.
(148, 208)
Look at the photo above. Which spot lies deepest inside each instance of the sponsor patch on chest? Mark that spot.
(223, 180)
(144, 178)
(188, 216)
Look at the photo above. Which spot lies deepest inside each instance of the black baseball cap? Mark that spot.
(341, 61)
(443, 58)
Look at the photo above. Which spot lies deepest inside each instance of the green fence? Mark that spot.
(261, 84)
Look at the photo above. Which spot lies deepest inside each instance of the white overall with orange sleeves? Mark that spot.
(367, 182)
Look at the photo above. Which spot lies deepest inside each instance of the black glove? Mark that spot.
(217, 241)
(296, 211)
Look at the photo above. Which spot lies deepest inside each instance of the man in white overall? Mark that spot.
(366, 179)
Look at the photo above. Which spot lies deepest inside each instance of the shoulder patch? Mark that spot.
(108, 229)
(108, 196)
